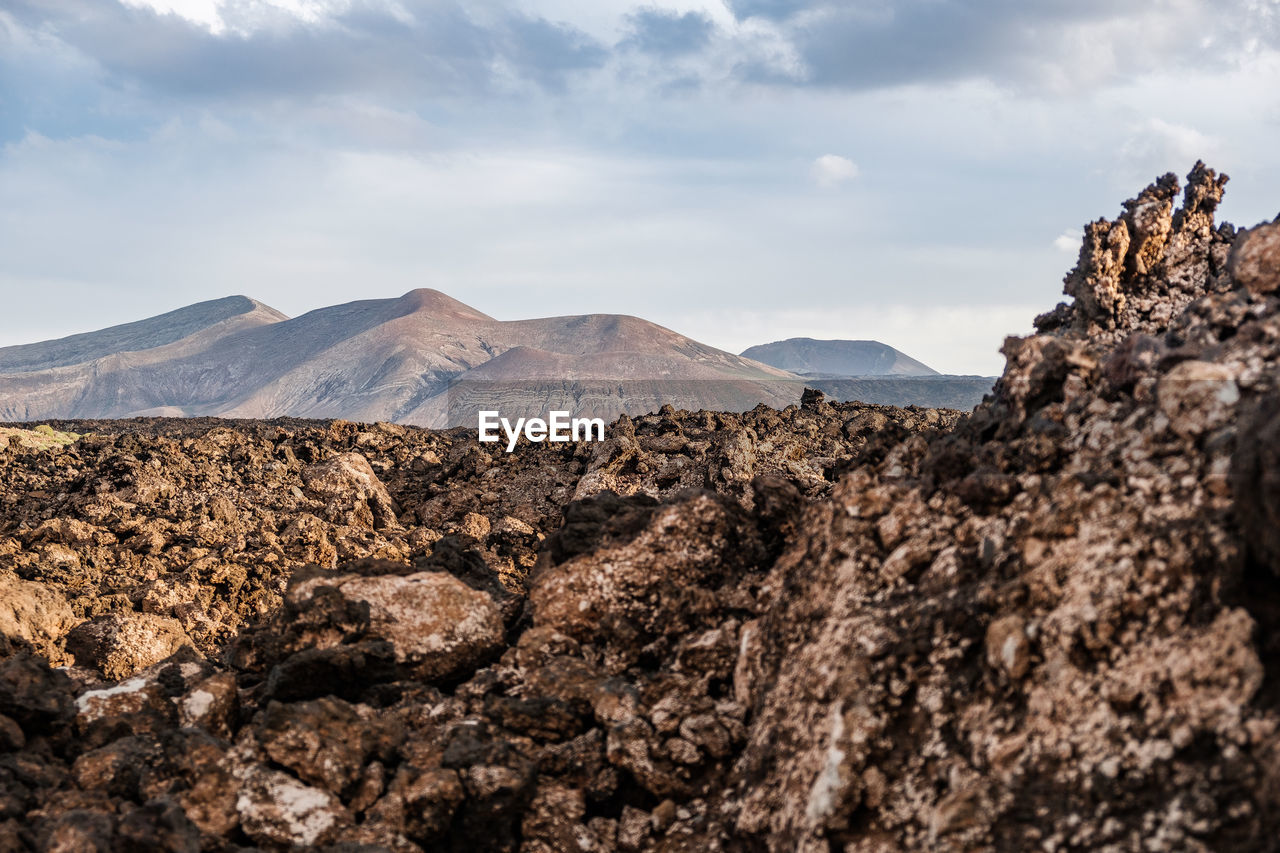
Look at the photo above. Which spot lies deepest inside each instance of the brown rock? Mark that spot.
(1254, 263)
(34, 613)
(437, 625)
(211, 704)
(326, 742)
(474, 525)
(120, 644)
(347, 480)
(275, 808)
(1199, 396)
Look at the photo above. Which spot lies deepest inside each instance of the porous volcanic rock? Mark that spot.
(120, 644)
(33, 613)
(1050, 625)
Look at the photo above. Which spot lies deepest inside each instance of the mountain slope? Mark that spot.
(838, 358)
(386, 359)
(229, 314)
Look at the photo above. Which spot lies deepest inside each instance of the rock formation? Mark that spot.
(1048, 625)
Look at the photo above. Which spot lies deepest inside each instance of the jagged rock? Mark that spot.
(34, 613)
(120, 644)
(1137, 272)
(629, 589)
(275, 808)
(327, 742)
(435, 626)
(1255, 260)
(212, 704)
(346, 480)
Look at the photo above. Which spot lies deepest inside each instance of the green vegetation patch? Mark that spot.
(40, 438)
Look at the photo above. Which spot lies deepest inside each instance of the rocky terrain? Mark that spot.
(1047, 625)
(951, 392)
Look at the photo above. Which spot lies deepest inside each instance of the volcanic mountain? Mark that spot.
(871, 372)
(807, 356)
(412, 360)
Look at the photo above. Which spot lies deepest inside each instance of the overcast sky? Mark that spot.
(914, 171)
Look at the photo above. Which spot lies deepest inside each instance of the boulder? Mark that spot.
(1255, 259)
(35, 613)
(438, 627)
(275, 808)
(120, 644)
(347, 481)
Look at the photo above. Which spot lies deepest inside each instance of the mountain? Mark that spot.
(871, 372)
(221, 316)
(424, 358)
(838, 358)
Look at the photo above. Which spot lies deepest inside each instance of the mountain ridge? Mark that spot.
(428, 359)
(375, 359)
(149, 333)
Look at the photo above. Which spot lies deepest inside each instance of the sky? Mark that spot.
(911, 171)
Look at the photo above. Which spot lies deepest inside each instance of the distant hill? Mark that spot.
(807, 356)
(423, 358)
(871, 372)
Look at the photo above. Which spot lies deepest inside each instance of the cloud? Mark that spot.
(1052, 45)
(423, 49)
(830, 170)
(668, 33)
(1158, 143)
(771, 9)
(1068, 241)
(415, 48)
(202, 12)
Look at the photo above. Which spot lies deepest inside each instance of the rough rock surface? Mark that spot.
(33, 613)
(1048, 626)
(120, 644)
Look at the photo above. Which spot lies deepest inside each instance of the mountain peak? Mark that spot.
(431, 301)
(140, 335)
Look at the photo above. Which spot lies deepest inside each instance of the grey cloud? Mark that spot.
(867, 44)
(439, 49)
(668, 33)
(548, 51)
(773, 9)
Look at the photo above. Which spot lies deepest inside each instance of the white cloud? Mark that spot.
(1068, 241)
(245, 16)
(829, 170)
(1159, 144)
(1183, 141)
(202, 12)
